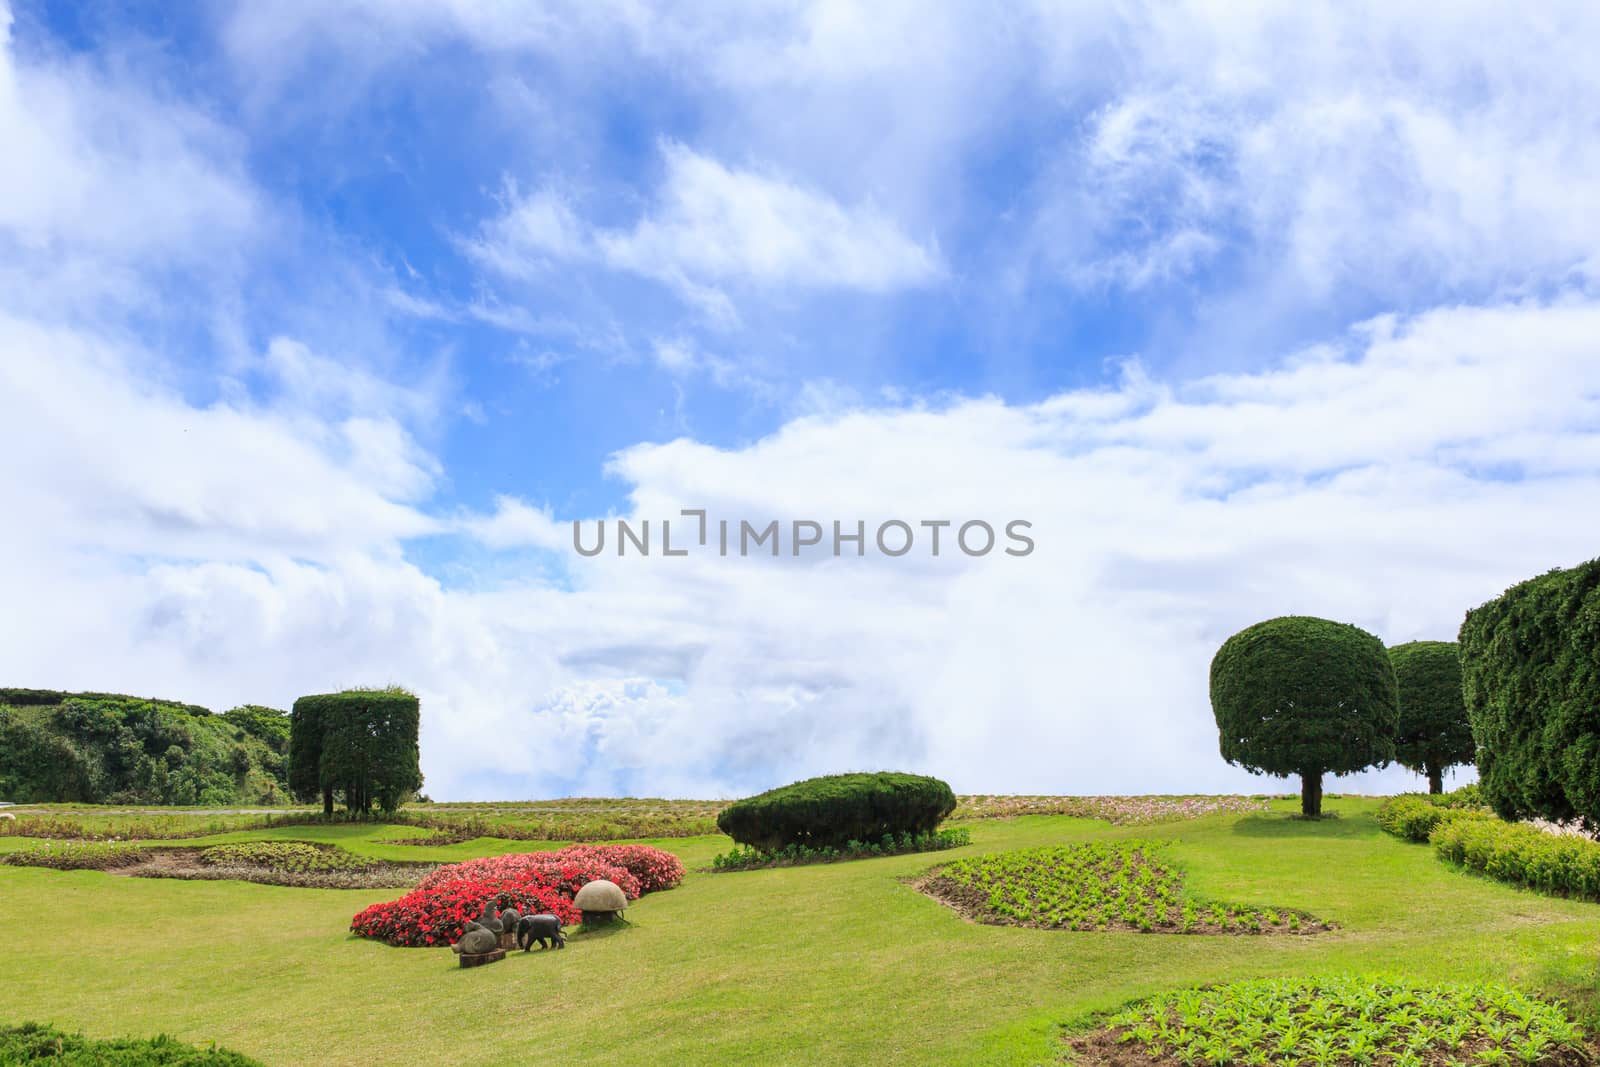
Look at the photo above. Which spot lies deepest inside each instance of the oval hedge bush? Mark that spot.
(1306, 696)
(836, 809)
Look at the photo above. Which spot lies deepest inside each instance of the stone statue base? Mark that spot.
(478, 959)
(508, 940)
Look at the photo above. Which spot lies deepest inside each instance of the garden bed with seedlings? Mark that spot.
(1337, 1021)
(1122, 885)
(287, 863)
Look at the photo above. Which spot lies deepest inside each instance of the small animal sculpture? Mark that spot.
(476, 941)
(490, 919)
(508, 920)
(545, 929)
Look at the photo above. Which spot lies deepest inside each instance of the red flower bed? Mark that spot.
(436, 912)
(655, 868)
(554, 869)
(438, 915)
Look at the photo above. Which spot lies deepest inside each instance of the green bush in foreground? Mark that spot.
(294, 856)
(30, 1043)
(1562, 864)
(1434, 730)
(75, 855)
(1305, 696)
(1414, 816)
(837, 809)
(745, 859)
(1530, 673)
(1341, 1020)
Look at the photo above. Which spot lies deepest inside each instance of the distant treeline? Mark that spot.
(108, 748)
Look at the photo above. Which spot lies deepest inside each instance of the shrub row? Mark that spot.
(1414, 816)
(76, 855)
(836, 809)
(1564, 865)
(792, 855)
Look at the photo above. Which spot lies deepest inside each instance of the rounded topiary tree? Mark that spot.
(1530, 675)
(1304, 696)
(837, 809)
(1434, 730)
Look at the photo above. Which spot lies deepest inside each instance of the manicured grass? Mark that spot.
(837, 963)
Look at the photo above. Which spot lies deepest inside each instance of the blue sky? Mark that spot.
(325, 321)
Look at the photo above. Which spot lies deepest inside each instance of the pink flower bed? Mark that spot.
(436, 912)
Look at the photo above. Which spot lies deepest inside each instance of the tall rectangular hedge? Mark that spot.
(1530, 674)
(360, 743)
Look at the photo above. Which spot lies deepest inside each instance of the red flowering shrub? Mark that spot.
(438, 915)
(436, 912)
(555, 869)
(655, 868)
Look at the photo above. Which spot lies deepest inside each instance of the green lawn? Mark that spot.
(814, 965)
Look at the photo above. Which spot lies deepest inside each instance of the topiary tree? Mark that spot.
(837, 809)
(361, 743)
(1434, 730)
(306, 729)
(1305, 696)
(1530, 676)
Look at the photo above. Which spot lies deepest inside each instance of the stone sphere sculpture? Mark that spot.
(600, 901)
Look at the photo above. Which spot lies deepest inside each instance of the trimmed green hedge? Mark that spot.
(1530, 673)
(831, 811)
(1523, 855)
(361, 744)
(32, 1042)
(1435, 733)
(1305, 696)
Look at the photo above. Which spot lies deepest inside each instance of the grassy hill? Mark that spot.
(109, 748)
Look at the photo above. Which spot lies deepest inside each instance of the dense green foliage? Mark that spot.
(794, 855)
(1434, 730)
(1099, 885)
(1340, 1020)
(1305, 696)
(109, 748)
(360, 744)
(1414, 816)
(837, 809)
(1562, 864)
(284, 856)
(32, 1042)
(1530, 671)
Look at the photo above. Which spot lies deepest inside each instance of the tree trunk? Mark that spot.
(1435, 779)
(327, 801)
(1311, 793)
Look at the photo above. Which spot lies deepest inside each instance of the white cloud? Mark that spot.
(714, 226)
(1393, 479)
